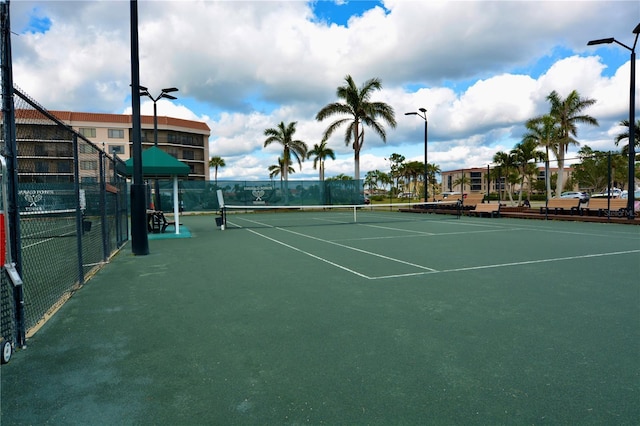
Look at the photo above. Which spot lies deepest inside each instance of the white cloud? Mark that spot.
(245, 66)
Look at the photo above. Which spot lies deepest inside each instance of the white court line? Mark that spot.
(418, 234)
(360, 250)
(311, 255)
(502, 265)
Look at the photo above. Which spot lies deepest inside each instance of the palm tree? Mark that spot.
(432, 171)
(282, 169)
(284, 136)
(505, 166)
(216, 162)
(544, 131)
(320, 153)
(414, 170)
(568, 114)
(625, 135)
(523, 153)
(360, 112)
(396, 164)
(371, 180)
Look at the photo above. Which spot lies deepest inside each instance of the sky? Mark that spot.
(480, 68)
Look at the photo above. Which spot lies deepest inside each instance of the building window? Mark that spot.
(88, 132)
(476, 181)
(89, 165)
(116, 149)
(116, 133)
(86, 149)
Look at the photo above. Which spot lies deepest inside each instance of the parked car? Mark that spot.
(636, 194)
(584, 197)
(615, 193)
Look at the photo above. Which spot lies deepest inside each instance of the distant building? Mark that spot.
(476, 180)
(49, 156)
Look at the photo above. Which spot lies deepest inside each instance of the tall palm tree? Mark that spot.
(360, 111)
(625, 135)
(320, 153)
(545, 132)
(568, 114)
(284, 135)
(216, 162)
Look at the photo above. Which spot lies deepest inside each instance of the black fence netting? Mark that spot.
(73, 214)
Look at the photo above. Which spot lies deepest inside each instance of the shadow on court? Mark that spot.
(470, 321)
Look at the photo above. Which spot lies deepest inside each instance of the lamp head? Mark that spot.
(164, 95)
(422, 109)
(601, 41)
(169, 90)
(636, 30)
(410, 113)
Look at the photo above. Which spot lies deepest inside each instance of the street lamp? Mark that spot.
(164, 93)
(632, 116)
(426, 171)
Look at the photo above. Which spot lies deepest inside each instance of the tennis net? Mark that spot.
(260, 216)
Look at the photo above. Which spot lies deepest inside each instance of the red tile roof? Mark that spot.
(93, 117)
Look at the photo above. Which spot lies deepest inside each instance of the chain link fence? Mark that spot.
(73, 215)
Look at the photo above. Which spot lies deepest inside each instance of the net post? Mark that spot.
(355, 219)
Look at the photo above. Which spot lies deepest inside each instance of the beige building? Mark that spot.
(186, 140)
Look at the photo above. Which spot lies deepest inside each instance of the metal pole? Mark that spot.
(139, 237)
(609, 185)
(426, 165)
(156, 185)
(488, 183)
(632, 137)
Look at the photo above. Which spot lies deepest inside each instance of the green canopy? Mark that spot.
(157, 163)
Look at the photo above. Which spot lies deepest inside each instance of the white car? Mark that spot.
(615, 193)
(584, 197)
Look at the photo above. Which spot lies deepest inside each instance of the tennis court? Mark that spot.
(308, 317)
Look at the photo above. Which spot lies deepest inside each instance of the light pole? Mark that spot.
(164, 93)
(426, 170)
(632, 116)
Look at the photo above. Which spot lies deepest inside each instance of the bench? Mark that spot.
(481, 208)
(157, 222)
(605, 206)
(560, 205)
(472, 200)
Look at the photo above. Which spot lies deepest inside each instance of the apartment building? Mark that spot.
(49, 156)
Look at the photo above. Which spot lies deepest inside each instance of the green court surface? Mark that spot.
(420, 319)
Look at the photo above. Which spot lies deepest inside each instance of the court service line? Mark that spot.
(358, 250)
(419, 234)
(502, 265)
(344, 268)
